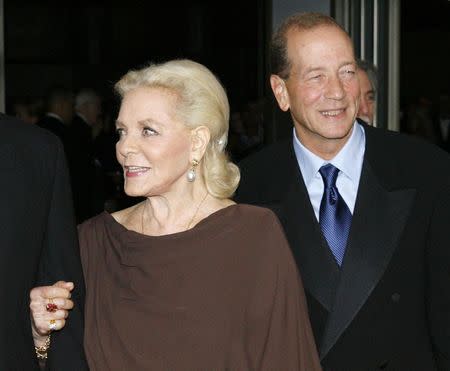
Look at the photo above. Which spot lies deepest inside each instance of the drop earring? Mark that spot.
(191, 174)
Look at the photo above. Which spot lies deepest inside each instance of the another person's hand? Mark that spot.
(50, 307)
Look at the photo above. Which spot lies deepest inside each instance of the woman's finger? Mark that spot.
(61, 303)
(65, 285)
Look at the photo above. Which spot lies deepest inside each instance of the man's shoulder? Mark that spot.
(401, 145)
(404, 157)
(17, 127)
(266, 174)
(268, 155)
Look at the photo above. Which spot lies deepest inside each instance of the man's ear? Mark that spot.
(200, 137)
(279, 90)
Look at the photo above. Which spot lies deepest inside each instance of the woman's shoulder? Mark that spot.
(248, 219)
(253, 211)
(92, 225)
(262, 231)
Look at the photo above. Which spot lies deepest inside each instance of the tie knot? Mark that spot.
(329, 175)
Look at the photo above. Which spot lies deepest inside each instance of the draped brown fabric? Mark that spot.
(224, 295)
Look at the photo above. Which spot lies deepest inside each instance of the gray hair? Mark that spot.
(371, 72)
(85, 96)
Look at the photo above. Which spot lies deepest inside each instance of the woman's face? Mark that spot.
(154, 147)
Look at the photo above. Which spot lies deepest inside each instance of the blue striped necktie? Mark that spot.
(335, 217)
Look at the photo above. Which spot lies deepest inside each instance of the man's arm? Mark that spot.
(439, 277)
(60, 260)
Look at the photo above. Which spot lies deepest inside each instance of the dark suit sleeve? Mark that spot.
(60, 260)
(439, 273)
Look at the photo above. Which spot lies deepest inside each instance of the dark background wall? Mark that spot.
(92, 43)
(425, 49)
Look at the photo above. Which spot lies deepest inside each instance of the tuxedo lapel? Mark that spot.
(378, 221)
(320, 273)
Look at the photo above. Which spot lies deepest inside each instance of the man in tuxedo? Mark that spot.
(366, 211)
(38, 245)
(59, 113)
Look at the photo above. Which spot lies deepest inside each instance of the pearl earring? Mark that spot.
(191, 174)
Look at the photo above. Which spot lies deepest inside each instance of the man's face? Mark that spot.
(66, 110)
(93, 112)
(367, 102)
(322, 90)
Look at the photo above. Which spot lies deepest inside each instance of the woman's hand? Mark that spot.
(50, 307)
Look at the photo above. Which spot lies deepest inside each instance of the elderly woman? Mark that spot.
(186, 279)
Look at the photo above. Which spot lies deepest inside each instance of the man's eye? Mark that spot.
(349, 72)
(316, 77)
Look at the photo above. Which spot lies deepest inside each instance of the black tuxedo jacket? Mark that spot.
(57, 127)
(388, 306)
(38, 245)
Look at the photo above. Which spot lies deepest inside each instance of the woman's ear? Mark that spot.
(200, 137)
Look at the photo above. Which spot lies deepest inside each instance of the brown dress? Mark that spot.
(224, 295)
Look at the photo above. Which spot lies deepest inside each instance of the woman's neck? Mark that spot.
(168, 214)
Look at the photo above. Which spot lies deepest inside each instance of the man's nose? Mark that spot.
(335, 88)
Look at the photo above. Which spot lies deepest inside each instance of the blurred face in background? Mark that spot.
(66, 110)
(366, 110)
(93, 112)
(25, 113)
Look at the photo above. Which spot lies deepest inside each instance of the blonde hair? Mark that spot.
(202, 101)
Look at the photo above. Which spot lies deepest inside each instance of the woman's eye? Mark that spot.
(120, 132)
(149, 132)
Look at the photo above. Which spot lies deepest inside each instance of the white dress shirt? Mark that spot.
(349, 161)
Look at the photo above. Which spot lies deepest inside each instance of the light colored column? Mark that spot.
(2, 59)
(393, 114)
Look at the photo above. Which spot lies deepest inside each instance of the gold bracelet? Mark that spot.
(41, 352)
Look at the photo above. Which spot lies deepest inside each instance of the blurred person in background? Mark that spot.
(367, 75)
(86, 173)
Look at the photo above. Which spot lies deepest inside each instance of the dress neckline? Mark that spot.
(123, 231)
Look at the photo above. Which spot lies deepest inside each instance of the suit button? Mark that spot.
(395, 297)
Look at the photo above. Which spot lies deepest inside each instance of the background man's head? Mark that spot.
(60, 102)
(89, 105)
(367, 75)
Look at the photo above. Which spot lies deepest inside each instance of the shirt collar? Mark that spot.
(348, 160)
(83, 117)
(55, 116)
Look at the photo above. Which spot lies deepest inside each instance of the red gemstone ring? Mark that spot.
(50, 306)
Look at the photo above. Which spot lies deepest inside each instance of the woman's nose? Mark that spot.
(126, 145)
